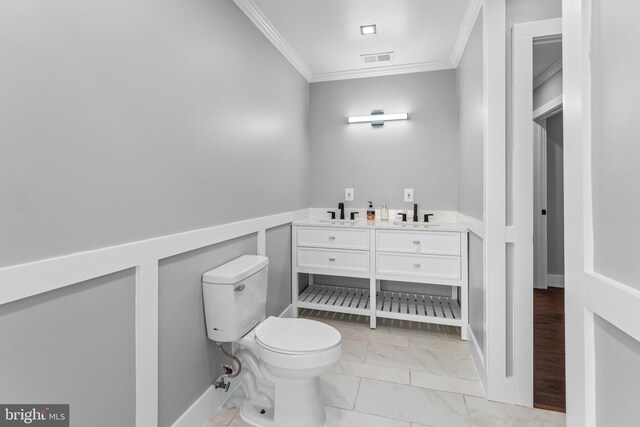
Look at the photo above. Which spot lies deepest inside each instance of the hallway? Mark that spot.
(549, 390)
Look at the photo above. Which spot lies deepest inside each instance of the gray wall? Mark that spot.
(547, 91)
(188, 361)
(279, 253)
(126, 121)
(419, 153)
(519, 11)
(477, 290)
(74, 345)
(470, 91)
(615, 150)
(617, 376)
(470, 94)
(555, 196)
(121, 122)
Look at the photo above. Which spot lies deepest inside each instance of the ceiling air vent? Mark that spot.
(377, 57)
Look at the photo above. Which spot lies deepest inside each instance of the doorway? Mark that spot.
(549, 388)
(538, 350)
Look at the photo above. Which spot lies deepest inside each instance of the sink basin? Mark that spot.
(337, 221)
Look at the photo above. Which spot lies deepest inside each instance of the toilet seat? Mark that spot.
(297, 344)
(296, 336)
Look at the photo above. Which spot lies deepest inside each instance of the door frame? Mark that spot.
(540, 203)
(524, 36)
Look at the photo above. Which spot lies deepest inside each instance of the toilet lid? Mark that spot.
(296, 335)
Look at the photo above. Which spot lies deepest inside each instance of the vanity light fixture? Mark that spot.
(377, 118)
(366, 30)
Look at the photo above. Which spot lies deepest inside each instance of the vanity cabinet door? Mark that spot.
(339, 238)
(333, 260)
(419, 242)
(421, 266)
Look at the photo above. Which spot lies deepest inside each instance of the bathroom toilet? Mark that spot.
(282, 359)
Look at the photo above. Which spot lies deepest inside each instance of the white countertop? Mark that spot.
(382, 225)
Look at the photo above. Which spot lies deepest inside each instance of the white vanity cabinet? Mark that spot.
(379, 251)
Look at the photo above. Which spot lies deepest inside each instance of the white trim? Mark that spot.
(25, 280)
(260, 20)
(555, 280)
(548, 73)
(615, 302)
(494, 88)
(579, 329)
(478, 358)
(469, 20)
(540, 203)
(523, 186)
(549, 109)
(382, 71)
(474, 225)
(205, 406)
(510, 234)
(262, 242)
(146, 315)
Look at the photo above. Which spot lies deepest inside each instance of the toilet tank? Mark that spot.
(235, 295)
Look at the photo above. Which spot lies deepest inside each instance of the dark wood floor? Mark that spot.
(548, 355)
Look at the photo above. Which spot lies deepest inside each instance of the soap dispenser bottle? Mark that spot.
(384, 212)
(371, 213)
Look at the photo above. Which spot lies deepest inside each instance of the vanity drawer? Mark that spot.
(420, 242)
(423, 266)
(331, 259)
(340, 238)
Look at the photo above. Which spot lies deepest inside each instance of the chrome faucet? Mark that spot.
(341, 207)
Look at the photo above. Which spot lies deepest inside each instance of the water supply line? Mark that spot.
(235, 359)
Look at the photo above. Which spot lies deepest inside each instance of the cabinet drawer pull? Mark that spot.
(332, 237)
(416, 265)
(416, 242)
(332, 258)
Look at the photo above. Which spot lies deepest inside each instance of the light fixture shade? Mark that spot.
(378, 117)
(368, 29)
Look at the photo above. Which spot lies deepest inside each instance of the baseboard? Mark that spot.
(288, 312)
(555, 280)
(478, 358)
(205, 406)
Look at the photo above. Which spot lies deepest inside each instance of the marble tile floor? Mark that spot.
(403, 374)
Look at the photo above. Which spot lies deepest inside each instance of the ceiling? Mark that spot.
(546, 56)
(322, 38)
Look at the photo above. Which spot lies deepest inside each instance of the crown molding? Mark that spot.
(546, 74)
(257, 17)
(470, 16)
(382, 71)
(264, 25)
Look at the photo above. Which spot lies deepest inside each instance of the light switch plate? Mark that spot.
(348, 194)
(408, 194)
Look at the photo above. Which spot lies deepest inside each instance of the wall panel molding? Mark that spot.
(25, 280)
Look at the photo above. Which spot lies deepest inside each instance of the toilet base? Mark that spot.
(253, 416)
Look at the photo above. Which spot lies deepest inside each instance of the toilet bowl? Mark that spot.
(282, 358)
(292, 354)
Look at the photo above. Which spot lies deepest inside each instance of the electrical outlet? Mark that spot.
(348, 194)
(408, 194)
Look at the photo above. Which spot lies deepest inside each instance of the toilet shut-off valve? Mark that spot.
(228, 370)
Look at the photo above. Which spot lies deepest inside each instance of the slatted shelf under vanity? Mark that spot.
(391, 305)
